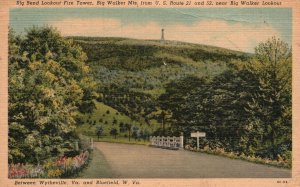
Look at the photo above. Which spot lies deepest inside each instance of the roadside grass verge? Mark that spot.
(280, 163)
(119, 140)
(98, 167)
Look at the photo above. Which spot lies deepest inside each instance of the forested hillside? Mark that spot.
(126, 90)
(242, 101)
(132, 74)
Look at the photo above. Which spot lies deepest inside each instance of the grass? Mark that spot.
(97, 168)
(120, 140)
(104, 116)
(89, 130)
(181, 59)
(232, 155)
(156, 92)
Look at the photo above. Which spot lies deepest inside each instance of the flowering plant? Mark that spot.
(51, 168)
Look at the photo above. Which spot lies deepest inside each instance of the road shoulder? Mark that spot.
(98, 167)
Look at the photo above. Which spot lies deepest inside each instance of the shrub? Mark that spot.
(52, 168)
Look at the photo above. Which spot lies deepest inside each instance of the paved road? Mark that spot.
(139, 161)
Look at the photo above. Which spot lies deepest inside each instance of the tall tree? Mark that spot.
(271, 106)
(114, 132)
(176, 101)
(99, 131)
(45, 90)
(128, 127)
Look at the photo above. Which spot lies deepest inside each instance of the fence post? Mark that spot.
(92, 143)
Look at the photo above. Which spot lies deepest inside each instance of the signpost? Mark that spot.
(198, 135)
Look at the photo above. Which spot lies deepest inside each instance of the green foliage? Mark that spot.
(99, 131)
(246, 109)
(145, 134)
(114, 132)
(89, 129)
(87, 106)
(271, 105)
(135, 132)
(241, 101)
(46, 85)
(128, 127)
(132, 74)
(137, 55)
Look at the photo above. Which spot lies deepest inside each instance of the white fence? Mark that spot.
(167, 142)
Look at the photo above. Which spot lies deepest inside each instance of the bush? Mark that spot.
(53, 168)
(71, 153)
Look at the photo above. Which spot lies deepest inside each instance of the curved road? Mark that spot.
(139, 161)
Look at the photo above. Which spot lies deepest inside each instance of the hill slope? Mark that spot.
(132, 74)
(147, 65)
(108, 118)
(135, 55)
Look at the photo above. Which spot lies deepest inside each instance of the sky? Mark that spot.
(234, 28)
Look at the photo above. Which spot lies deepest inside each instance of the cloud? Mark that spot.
(236, 35)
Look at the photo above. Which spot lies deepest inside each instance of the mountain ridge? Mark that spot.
(136, 55)
(152, 42)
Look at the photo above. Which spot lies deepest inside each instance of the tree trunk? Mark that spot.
(163, 125)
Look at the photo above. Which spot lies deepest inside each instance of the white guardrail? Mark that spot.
(167, 142)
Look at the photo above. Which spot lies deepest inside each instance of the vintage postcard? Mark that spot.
(149, 93)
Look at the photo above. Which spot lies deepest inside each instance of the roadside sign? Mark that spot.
(198, 135)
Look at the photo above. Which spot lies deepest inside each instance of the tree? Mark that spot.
(114, 132)
(128, 126)
(45, 90)
(162, 119)
(219, 108)
(135, 133)
(122, 127)
(145, 134)
(99, 131)
(270, 106)
(245, 109)
(176, 101)
(115, 121)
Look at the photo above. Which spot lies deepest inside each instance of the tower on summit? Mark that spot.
(162, 39)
